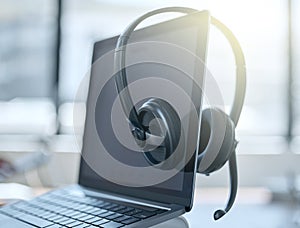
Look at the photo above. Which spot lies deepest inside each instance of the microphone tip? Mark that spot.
(219, 214)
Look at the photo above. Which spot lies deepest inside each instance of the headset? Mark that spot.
(211, 119)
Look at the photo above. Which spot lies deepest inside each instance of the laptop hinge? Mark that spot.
(127, 199)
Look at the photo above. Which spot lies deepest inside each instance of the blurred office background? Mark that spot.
(46, 48)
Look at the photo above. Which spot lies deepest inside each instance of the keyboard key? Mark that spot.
(125, 210)
(144, 214)
(11, 212)
(109, 206)
(113, 216)
(69, 213)
(55, 217)
(35, 220)
(80, 215)
(74, 214)
(133, 212)
(91, 220)
(99, 211)
(68, 221)
(86, 217)
(21, 205)
(112, 225)
(40, 212)
(101, 204)
(123, 217)
(63, 219)
(75, 223)
(104, 215)
(62, 211)
(54, 226)
(129, 221)
(93, 209)
(100, 222)
(83, 225)
(49, 215)
(45, 215)
(89, 200)
(118, 208)
(84, 208)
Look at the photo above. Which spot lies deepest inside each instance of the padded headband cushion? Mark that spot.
(217, 140)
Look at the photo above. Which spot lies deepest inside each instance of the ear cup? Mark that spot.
(159, 118)
(217, 140)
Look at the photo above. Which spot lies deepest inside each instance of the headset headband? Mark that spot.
(121, 76)
(130, 110)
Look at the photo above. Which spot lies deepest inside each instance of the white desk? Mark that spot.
(252, 210)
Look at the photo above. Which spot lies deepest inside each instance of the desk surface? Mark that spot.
(253, 209)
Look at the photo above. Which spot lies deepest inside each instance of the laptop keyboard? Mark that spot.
(55, 209)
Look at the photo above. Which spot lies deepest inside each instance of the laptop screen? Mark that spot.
(163, 61)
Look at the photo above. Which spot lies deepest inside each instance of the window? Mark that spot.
(295, 51)
(263, 37)
(263, 33)
(269, 128)
(27, 67)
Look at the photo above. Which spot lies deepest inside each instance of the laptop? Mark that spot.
(113, 189)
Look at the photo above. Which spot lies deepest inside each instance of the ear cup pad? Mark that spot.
(159, 118)
(217, 140)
